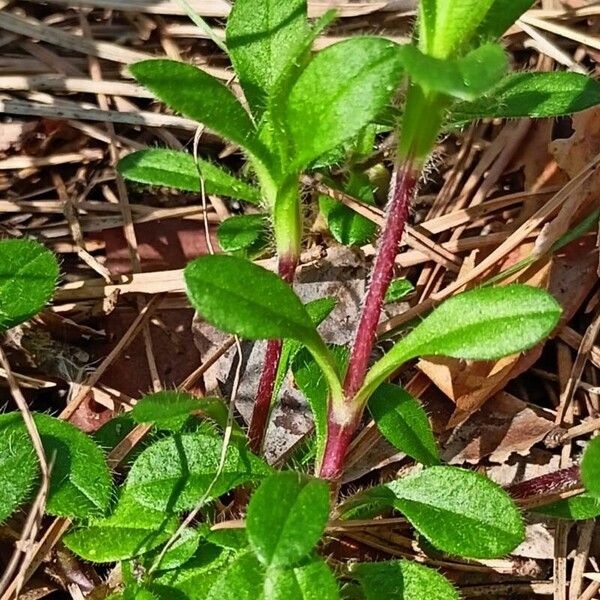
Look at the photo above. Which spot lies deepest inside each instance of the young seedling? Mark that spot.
(299, 107)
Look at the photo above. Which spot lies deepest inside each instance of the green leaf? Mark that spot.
(341, 90)
(313, 581)
(242, 580)
(318, 310)
(399, 288)
(80, 482)
(174, 473)
(460, 512)
(132, 529)
(347, 226)
(18, 465)
(179, 170)
(312, 383)
(263, 38)
(170, 409)
(482, 324)
(199, 96)
(465, 78)
(577, 508)
(446, 27)
(247, 579)
(181, 551)
(532, 95)
(242, 298)
(27, 280)
(501, 15)
(590, 467)
(195, 577)
(242, 232)
(403, 422)
(402, 580)
(286, 517)
(114, 431)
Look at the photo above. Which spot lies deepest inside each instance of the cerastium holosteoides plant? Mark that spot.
(301, 112)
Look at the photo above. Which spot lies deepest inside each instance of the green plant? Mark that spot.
(305, 112)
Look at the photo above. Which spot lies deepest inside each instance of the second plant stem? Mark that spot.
(343, 423)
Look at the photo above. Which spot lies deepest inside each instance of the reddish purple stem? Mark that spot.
(403, 188)
(546, 485)
(266, 385)
(404, 184)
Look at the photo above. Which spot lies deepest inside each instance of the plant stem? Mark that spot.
(266, 385)
(404, 183)
(342, 424)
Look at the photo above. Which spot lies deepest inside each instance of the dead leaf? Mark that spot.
(504, 426)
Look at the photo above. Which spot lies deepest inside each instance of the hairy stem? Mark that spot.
(266, 385)
(404, 182)
(341, 427)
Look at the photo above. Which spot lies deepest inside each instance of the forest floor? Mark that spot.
(120, 324)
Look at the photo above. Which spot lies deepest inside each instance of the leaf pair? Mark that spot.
(483, 324)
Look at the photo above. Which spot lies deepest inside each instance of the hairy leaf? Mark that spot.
(196, 576)
(404, 580)
(170, 409)
(247, 579)
(311, 581)
(482, 324)
(446, 27)
(243, 232)
(465, 78)
(28, 275)
(175, 473)
(198, 95)
(399, 288)
(347, 226)
(460, 512)
(404, 423)
(286, 518)
(341, 90)
(242, 298)
(501, 15)
(18, 465)
(131, 530)
(80, 482)
(532, 95)
(262, 39)
(578, 508)
(181, 551)
(179, 170)
(318, 310)
(590, 467)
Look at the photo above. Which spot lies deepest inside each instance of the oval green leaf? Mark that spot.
(132, 529)
(27, 280)
(578, 508)
(460, 512)
(286, 518)
(174, 473)
(482, 324)
(342, 90)
(80, 482)
(179, 170)
(532, 95)
(403, 580)
(18, 464)
(240, 297)
(590, 467)
(199, 96)
(243, 232)
(403, 422)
